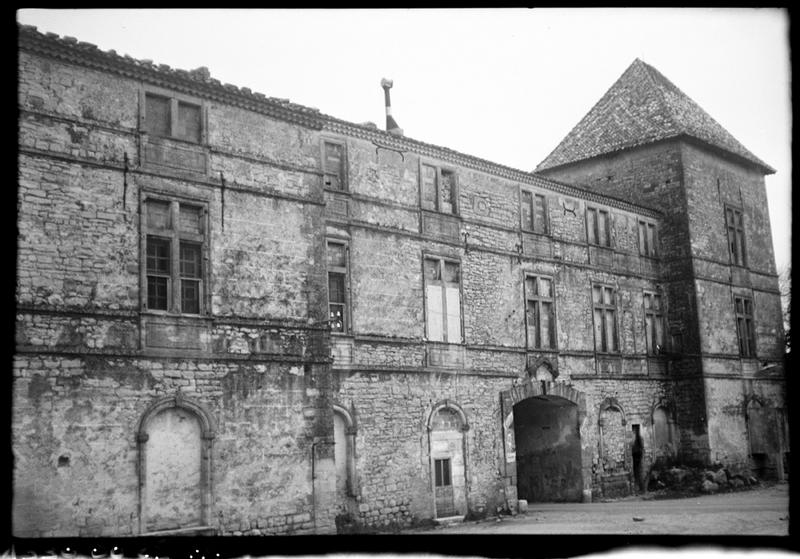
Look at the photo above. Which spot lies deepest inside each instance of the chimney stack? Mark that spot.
(391, 125)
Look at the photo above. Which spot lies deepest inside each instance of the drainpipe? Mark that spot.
(313, 485)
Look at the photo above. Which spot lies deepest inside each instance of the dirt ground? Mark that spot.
(760, 511)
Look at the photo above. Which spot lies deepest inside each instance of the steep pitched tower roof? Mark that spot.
(640, 108)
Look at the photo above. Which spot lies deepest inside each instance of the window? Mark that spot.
(653, 323)
(442, 300)
(439, 191)
(735, 225)
(174, 245)
(442, 472)
(744, 326)
(333, 162)
(534, 212)
(337, 286)
(540, 312)
(598, 231)
(168, 117)
(605, 325)
(647, 239)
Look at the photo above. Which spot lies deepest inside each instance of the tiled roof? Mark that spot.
(642, 107)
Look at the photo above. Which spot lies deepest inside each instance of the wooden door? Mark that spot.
(445, 502)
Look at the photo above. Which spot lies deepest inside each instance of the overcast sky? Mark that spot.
(502, 84)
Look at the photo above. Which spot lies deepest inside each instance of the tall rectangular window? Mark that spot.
(734, 222)
(598, 230)
(540, 309)
(335, 177)
(338, 307)
(167, 117)
(745, 327)
(438, 188)
(442, 300)
(174, 243)
(605, 319)
(534, 212)
(653, 323)
(647, 239)
(442, 472)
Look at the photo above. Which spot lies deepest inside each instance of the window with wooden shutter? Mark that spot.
(654, 323)
(734, 221)
(438, 189)
(338, 300)
(540, 307)
(335, 177)
(442, 300)
(167, 117)
(605, 321)
(745, 327)
(174, 237)
(598, 227)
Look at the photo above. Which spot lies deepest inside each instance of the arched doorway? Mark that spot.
(616, 458)
(663, 434)
(545, 452)
(548, 449)
(446, 426)
(768, 436)
(174, 437)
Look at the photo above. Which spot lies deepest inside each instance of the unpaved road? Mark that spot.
(761, 511)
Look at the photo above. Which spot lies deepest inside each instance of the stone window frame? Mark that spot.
(175, 237)
(208, 430)
(175, 99)
(344, 166)
(737, 245)
(347, 328)
(440, 170)
(658, 317)
(442, 259)
(544, 229)
(747, 339)
(596, 230)
(648, 244)
(538, 299)
(604, 309)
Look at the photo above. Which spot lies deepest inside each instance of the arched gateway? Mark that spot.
(543, 452)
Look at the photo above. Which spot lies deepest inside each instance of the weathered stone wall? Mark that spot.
(253, 367)
(388, 379)
(90, 360)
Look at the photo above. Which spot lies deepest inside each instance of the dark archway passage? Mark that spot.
(548, 449)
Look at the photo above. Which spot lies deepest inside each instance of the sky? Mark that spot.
(502, 84)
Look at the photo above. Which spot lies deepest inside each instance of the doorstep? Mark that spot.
(192, 531)
(448, 520)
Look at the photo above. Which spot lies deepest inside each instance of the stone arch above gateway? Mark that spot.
(530, 388)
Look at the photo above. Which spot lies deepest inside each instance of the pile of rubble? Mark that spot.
(682, 479)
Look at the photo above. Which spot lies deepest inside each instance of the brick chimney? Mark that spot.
(391, 125)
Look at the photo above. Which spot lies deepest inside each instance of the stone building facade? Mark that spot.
(238, 315)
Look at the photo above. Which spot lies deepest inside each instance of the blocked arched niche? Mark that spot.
(344, 438)
(174, 438)
(613, 437)
(447, 445)
(663, 428)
